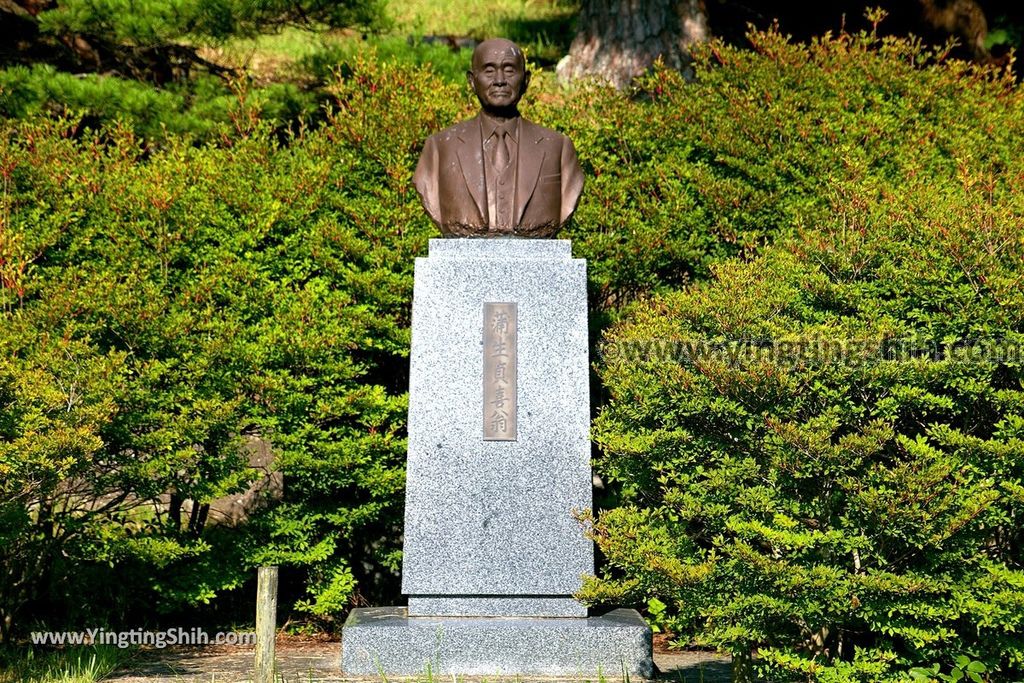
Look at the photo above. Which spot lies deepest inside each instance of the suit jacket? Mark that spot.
(450, 181)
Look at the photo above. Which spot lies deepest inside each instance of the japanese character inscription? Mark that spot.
(500, 389)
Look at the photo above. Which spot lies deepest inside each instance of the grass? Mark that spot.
(478, 18)
(447, 63)
(542, 27)
(276, 57)
(82, 664)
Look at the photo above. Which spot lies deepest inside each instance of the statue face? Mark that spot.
(499, 76)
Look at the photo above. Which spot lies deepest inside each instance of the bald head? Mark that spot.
(498, 76)
(502, 45)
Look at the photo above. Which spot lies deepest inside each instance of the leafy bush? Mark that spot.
(155, 24)
(686, 174)
(160, 304)
(818, 454)
(143, 61)
(198, 109)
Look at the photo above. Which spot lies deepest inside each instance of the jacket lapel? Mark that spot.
(471, 162)
(531, 159)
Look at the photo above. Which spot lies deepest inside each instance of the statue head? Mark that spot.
(498, 76)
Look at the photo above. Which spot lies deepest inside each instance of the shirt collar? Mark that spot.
(489, 125)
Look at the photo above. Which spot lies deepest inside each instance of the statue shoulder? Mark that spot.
(539, 132)
(453, 133)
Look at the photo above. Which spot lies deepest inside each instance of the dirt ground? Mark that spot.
(303, 660)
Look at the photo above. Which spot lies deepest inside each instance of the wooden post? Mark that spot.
(266, 624)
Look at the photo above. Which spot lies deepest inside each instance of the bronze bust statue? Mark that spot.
(497, 174)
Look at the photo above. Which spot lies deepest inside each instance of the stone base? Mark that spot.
(487, 519)
(386, 641)
(495, 606)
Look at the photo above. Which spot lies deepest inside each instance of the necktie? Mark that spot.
(501, 154)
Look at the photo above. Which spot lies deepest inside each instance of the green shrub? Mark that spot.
(682, 174)
(198, 109)
(818, 453)
(144, 25)
(159, 304)
(758, 145)
(144, 62)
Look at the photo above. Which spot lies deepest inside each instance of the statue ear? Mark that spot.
(526, 81)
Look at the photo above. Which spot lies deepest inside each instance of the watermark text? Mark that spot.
(158, 639)
(800, 353)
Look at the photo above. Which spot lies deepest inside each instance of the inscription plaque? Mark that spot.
(500, 388)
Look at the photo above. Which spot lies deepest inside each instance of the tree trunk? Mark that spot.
(963, 19)
(618, 40)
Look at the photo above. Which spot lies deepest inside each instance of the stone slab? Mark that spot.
(493, 518)
(385, 641)
(490, 605)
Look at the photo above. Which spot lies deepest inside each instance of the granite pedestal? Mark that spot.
(386, 641)
(492, 549)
